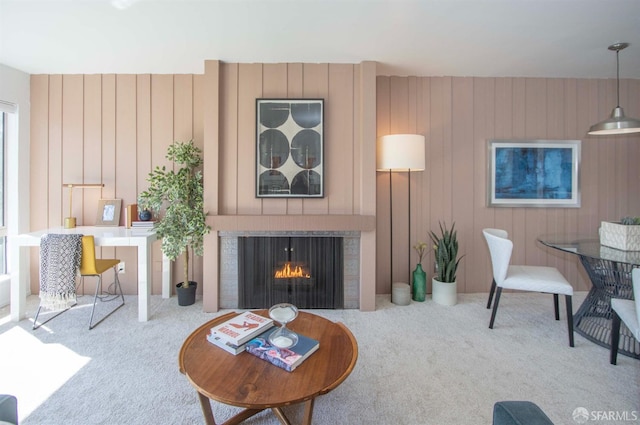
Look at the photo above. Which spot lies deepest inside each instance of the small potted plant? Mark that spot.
(177, 196)
(445, 246)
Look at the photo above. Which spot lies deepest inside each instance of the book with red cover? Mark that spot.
(242, 328)
(286, 358)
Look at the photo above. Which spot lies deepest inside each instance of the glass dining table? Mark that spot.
(609, 270)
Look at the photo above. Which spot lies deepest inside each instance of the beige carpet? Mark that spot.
(418, 364)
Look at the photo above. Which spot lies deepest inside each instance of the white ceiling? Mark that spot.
(532, 38)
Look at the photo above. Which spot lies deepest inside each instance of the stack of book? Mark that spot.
(285, 358)
(233, 335)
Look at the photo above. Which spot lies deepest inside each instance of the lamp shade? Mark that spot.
(617, 123)
(401, 152)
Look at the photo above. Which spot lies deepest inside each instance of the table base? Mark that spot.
(205, 403)
(593, 318)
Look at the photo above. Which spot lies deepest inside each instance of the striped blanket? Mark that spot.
(59, 264)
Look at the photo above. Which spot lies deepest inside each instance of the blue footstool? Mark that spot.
(519, 413)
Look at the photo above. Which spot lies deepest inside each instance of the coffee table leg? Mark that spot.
(280, 414)
(205, 404)
(308, 411)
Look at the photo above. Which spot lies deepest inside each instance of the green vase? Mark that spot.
(419, 284)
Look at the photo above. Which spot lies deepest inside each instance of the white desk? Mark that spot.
(104, 236)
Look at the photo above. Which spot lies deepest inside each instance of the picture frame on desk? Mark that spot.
(109, 212)
(533, 173)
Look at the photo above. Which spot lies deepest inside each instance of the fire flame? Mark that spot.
(288, 271)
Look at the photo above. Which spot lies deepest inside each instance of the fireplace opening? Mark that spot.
(305, 271)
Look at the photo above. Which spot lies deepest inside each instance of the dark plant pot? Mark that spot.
(186, 296)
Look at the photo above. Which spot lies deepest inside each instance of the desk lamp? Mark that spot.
(400, 153)
(70, 222)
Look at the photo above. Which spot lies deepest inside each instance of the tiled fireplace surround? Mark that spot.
(358, 233)
(229, 263)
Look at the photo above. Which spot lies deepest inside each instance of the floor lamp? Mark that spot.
(70, 222)
(400, 153)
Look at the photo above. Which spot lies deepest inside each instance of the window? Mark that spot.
(3, 224)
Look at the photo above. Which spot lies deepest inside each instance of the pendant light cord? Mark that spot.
(618, 75)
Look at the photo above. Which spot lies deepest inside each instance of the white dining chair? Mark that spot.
(627, 311)
(524, 278)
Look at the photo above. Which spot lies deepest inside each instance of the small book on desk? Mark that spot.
(242, 328)
(285, 358)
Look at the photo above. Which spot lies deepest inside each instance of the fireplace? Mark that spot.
(304, 271)
(308, 269)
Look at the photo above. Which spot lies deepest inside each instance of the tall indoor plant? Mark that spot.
(177, 196)
(445, 246)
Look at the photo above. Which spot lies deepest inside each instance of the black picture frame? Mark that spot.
(290, 148)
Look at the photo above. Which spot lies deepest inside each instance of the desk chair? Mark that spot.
(92, 266)
(524, 278)
(627, 311)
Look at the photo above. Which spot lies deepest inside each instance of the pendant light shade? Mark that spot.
(617, 123)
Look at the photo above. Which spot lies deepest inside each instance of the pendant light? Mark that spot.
(617, 122)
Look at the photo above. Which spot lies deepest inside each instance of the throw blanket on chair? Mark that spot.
(59, 263)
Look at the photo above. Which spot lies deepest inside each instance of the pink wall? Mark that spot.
(114, 128)
(457, 116)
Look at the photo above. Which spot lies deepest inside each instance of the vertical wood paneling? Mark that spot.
(249, 89)
(339, 141)
(383, 231)
(462, 170)
(183, 109)
(161, 119)
(111, 119)
(92, 146)
(143, 133)
(229, 139)
(108, 164)
(358, 141)
(72, 122)
(56, 205)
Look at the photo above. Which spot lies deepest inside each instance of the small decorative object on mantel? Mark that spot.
(419, 289)
(623, 235)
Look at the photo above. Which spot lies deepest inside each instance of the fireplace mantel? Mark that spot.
(327, 222)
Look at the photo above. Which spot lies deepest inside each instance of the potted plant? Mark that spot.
(177, 196)
(445, 246)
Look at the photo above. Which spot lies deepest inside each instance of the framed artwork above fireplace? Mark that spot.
(289, 148)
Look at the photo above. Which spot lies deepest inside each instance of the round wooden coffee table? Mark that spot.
(255, 384)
